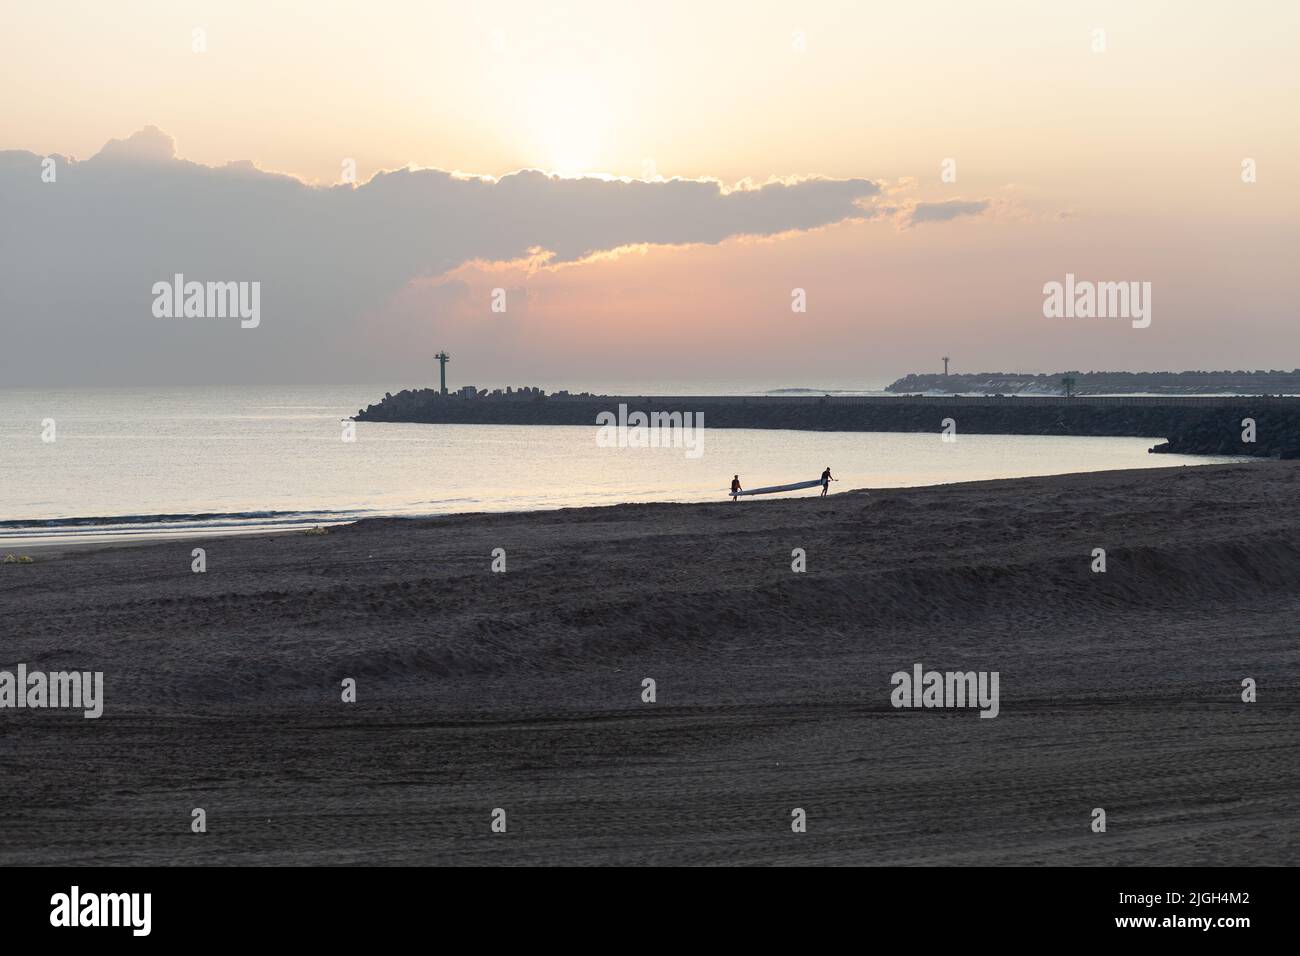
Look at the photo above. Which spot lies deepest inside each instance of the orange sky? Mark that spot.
(1122, 163)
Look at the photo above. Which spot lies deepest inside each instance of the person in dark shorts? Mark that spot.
(826, 480)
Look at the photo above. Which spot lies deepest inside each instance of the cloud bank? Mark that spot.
(79, 255)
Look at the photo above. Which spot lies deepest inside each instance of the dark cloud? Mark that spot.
(944, 211)
(80, 255)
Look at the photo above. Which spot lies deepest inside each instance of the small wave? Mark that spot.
(172, 520)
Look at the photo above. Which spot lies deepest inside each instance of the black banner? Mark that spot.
(978, 906)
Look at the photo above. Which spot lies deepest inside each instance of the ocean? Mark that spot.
(173, 461)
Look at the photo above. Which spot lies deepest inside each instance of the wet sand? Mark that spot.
(479, 690)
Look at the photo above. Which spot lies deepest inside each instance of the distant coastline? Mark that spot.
(1274, 382)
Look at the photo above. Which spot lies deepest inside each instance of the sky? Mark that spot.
(919, 171)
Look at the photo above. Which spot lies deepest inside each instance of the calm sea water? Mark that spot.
(129, 462)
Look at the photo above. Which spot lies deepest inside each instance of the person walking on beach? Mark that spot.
(735, 487)
(826, 480)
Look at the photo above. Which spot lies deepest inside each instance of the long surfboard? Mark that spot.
(775, 488)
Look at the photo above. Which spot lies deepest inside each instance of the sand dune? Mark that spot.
(522, 690)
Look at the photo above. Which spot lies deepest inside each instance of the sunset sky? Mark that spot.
(1116, 165)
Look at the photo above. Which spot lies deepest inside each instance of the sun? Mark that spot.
(573, 150)
(567, 120)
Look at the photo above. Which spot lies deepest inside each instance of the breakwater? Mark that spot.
(1186, 425)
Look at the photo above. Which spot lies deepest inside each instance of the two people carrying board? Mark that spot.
(824, 481)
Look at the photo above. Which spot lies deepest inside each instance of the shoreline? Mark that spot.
(523, 689)
(72, 541)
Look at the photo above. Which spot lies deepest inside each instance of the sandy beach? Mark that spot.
(522, 690)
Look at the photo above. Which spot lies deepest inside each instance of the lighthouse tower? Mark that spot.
(443, 358)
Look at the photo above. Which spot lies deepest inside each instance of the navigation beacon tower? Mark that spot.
(443, 358)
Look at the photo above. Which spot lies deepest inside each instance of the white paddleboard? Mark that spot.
(775, 488)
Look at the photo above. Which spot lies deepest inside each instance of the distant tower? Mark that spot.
(443, 358)
(945, 366)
